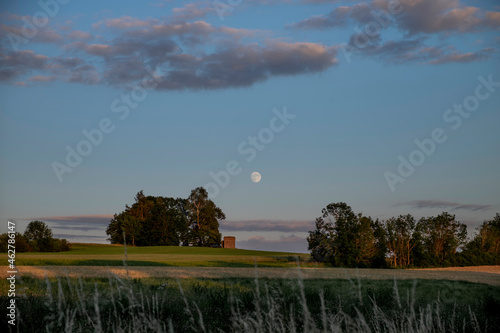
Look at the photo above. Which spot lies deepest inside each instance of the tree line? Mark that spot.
(343, 238)
(36, 238)
(157, 220)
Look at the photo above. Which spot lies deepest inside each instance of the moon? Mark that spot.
(256, 177)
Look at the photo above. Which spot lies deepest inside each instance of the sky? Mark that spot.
(389, 106)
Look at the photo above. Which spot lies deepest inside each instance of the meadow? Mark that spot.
(114, 255)
(341, 300)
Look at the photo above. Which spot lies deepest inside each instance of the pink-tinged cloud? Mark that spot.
(411, 16)
(13, 65)
(42, 78)
(493, 19)
(290, 243)
(99, 49)
(79, 35)
(124, 22)
(463, 57)
(192, 11)
(267, 226)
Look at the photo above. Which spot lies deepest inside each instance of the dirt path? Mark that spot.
(481, 274)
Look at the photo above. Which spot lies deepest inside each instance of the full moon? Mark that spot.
(256, 177)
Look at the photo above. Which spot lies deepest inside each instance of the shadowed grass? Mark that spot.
(254, 305)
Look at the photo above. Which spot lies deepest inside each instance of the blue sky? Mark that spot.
(181, 88)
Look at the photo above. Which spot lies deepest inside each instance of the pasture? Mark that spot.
(99, 288)
(114, 255)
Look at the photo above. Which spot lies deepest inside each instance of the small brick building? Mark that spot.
(229, 242)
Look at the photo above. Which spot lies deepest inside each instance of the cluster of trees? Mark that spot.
(343, 238)
(36, 238)
(152, 221)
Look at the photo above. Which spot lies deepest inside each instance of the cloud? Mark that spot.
(463, 57)
(194, 56)
(191, 11)
(338, 17)
(244, 65)
(444, 205)
(267, 225)
(79, 35)
(493, 19)
(124, 22)
(17, 63)
(290, 243)
(41, 78)
(87, 223)
(411, 50)
(412, 16)
(18, 32)
(83, 238)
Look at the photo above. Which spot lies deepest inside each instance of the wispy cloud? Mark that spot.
(444, 205)
(290, 243)
(409, 50)
(267, 225)
(86, 223)
(192, 11)
(414, 17)
(72, 238)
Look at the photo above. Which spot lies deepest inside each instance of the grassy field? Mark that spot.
(177, 289)
(113, 255)
(253, 305)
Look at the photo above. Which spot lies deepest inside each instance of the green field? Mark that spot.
(159, 303)
(114, 255)
(250, 305)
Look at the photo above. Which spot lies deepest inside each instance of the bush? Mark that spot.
(21, 244)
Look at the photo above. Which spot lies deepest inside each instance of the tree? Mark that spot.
(131, 225)
(168, 221)
(39, 236)
(320, 241)
(365, 242)
(380, 234)
(165, 224)
(488, 236)
(203, 218)
(400, 241)
(343, 238)
(21, 243)
(442, 236)
(131, 220)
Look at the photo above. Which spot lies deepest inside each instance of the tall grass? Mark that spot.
(116, 304)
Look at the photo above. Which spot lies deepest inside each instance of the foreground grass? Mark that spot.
(113, 255)
(253, 305)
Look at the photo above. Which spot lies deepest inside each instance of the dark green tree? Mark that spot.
(131, 220)
(165, 224)
(380, 234)
(400, 240)
(168, 221)
(203, 218)
(441, 237)
(39, 236)
(487, 238)
(343, 238)
(21, 243)
(321, 240)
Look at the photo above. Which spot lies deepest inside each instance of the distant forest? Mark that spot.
(345, 239)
